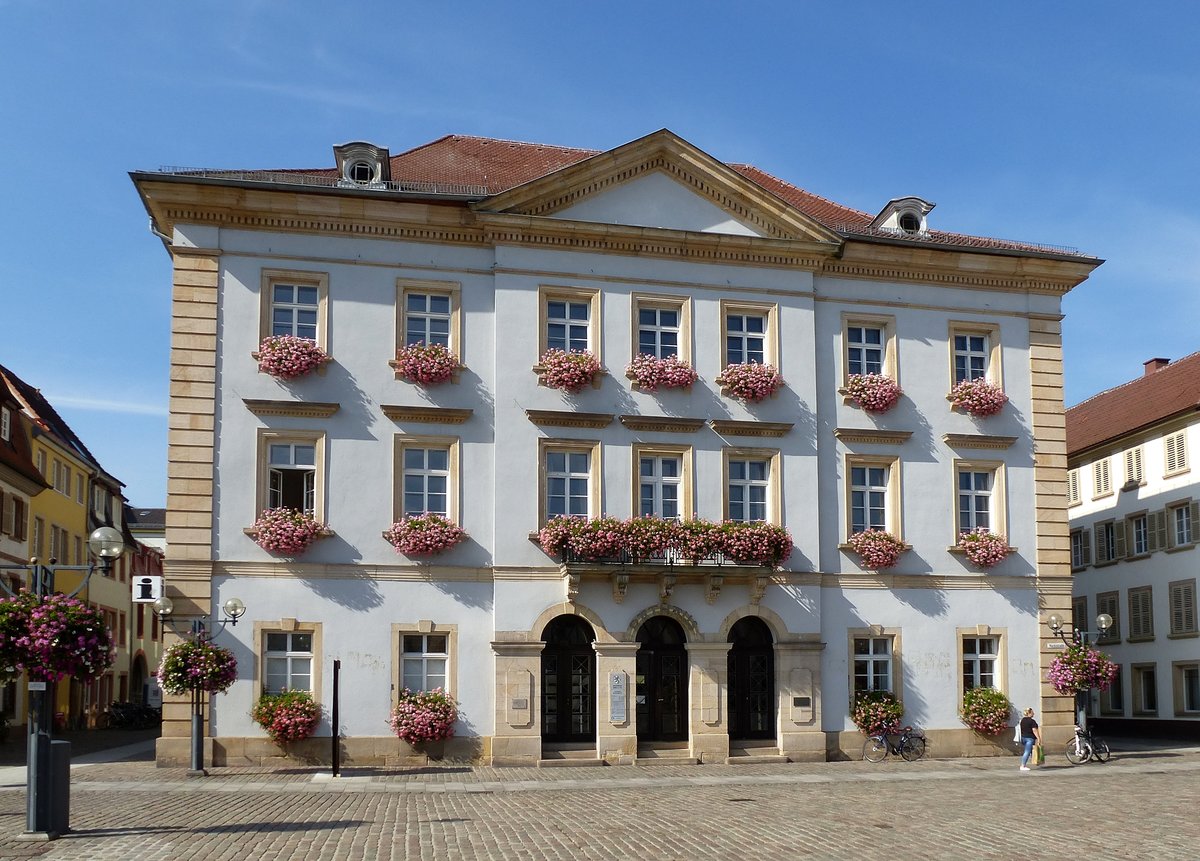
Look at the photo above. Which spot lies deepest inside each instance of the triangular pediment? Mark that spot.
(660, 181)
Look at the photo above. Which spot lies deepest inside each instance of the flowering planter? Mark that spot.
(196, 665)
(286, 531)
(53, 638)
(287, 357)
(985, 710)
(425, 364)
(983, 548)
(874, 393)
(650, 373)
(751, 382)
(978, 398)
(570, 371)
(876, 712)
(287, 716)
(652, 538)
(877, 550)
(421, 717)
(424, 534)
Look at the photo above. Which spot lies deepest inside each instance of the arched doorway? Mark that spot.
(568, 681)
(137, 680)
(751, 680)
(662, 681)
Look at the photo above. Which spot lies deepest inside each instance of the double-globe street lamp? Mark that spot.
(1077, 637)
(46, 813)
(195, 631)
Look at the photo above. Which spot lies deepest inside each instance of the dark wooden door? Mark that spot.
(568, 681)
(751, 681)
(662, 681)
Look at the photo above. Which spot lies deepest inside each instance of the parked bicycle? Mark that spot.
(909, 744)
(1087, 746)
(133, 716)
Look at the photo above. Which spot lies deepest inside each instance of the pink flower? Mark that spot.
(287, 357)
(571, 372)
(875, 393)
(752, 382)
(427, 364)
(424, 716)
(978, 397)
(876, 549)
(423, 534)
(652, 373)
(984, 548)
(286, 530)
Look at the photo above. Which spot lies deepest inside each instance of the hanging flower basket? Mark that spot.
(978, 397)
(423, 534)
(1081, 668)
(54, 638)
(876, 549)
(569, 371)
(875, 393)
(985, 710)
(751, 382)
(287, 357)
(287, 716)
(286, 531)
(651, 373)
(427, 364)
(197, 665)
(876, 712)
(984, 548)
(422, 716)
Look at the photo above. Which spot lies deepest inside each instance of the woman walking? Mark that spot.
(1030, 734)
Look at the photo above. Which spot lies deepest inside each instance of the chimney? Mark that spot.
(1154, 365)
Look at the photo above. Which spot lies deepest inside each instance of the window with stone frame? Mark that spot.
(1182, 595)
(425, 660)
(1101, 478)
(1110, 603)
(1175, 454)
(287, 661)
(1081, 548)
(1112, 701)
(872, 663)
(1110, 541)
(1133, 466)
(979, 656)
(1141, 614)
(1181, 519)
(1145, 689)
(1186, 687)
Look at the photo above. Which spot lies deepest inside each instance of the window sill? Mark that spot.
(1144, 639)
(320, 369)
(324, 533)
(1184, 635)
(1132, 485)
(1137, 557)
(849, 548)
(597, 380)
(1180, 548)
(632, 377)
(1183, 471)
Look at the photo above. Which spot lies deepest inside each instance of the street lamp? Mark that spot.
(164, 608)
(1077, 637)
(43, 811)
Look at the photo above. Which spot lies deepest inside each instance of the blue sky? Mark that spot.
(1070, 124)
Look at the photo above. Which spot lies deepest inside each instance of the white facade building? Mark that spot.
(1134, 502)
(506, 249)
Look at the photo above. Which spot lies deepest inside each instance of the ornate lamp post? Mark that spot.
(1077, 637)
(43, 811)
(195, 632)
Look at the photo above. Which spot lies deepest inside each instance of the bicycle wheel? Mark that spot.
(875, 749)
(1100, 751)
(912, 748)
(1078, 752)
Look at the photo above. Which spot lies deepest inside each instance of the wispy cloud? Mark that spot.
(103, 406)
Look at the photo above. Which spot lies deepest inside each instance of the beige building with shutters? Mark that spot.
(1134, 503)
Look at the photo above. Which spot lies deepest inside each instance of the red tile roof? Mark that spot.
(1169, 391)
(492, 166)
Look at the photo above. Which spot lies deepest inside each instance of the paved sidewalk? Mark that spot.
(1140, 805)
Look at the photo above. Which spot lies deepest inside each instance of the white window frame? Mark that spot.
(1186, 687)
(1138, 539)
(594, 471)
(985, 667)
(770, 485)
(424, 628)
(1081, 548)
(452, 446)
(892, 491)
(991, 352)
(5, 424)
(770, 334)
(890, 660)
(683, 331)
(267, 438)
(285, 626)
(451, 290)
(996, 495)
(294, 278)
(1181, 524)
(682, 482)
(590, 298)
(1139, 673)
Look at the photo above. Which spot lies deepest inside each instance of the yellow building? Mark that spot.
(81, 498)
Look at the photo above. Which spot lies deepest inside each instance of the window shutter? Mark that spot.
(1187, 605)
(1121, 538)
(1100, 478)
(1101, 545)
(1194, 511)
(20, 516)
(1087, 547)
(1133, 466)
(1157, 521)
(1072, 487)
(1141, 619)
(1176, 452)
(6, 501)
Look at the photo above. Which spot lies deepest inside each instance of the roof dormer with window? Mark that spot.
(362, 165)
(905, 215)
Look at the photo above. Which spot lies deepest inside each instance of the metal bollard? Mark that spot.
(60, 787)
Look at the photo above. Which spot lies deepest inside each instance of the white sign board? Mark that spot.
(147, 589)
(154, 695)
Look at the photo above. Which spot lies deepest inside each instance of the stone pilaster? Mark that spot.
(708, 703)
(616, 739)
(798, 684)
(518, 736)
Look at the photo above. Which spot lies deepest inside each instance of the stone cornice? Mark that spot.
(568, 419)
(426, 415)
(298, 409)
(985, 582)
(873, 436)
(969, 440)
(663, 424)
(737, 428)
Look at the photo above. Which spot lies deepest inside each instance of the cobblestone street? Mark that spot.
(1140, 805)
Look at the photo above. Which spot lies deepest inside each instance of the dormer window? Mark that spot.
(362, 165)
(904, 215)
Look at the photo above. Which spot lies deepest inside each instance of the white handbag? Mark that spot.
(1017, 734)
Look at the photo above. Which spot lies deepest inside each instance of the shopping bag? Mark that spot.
(1039, 754)
(1017, 734)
